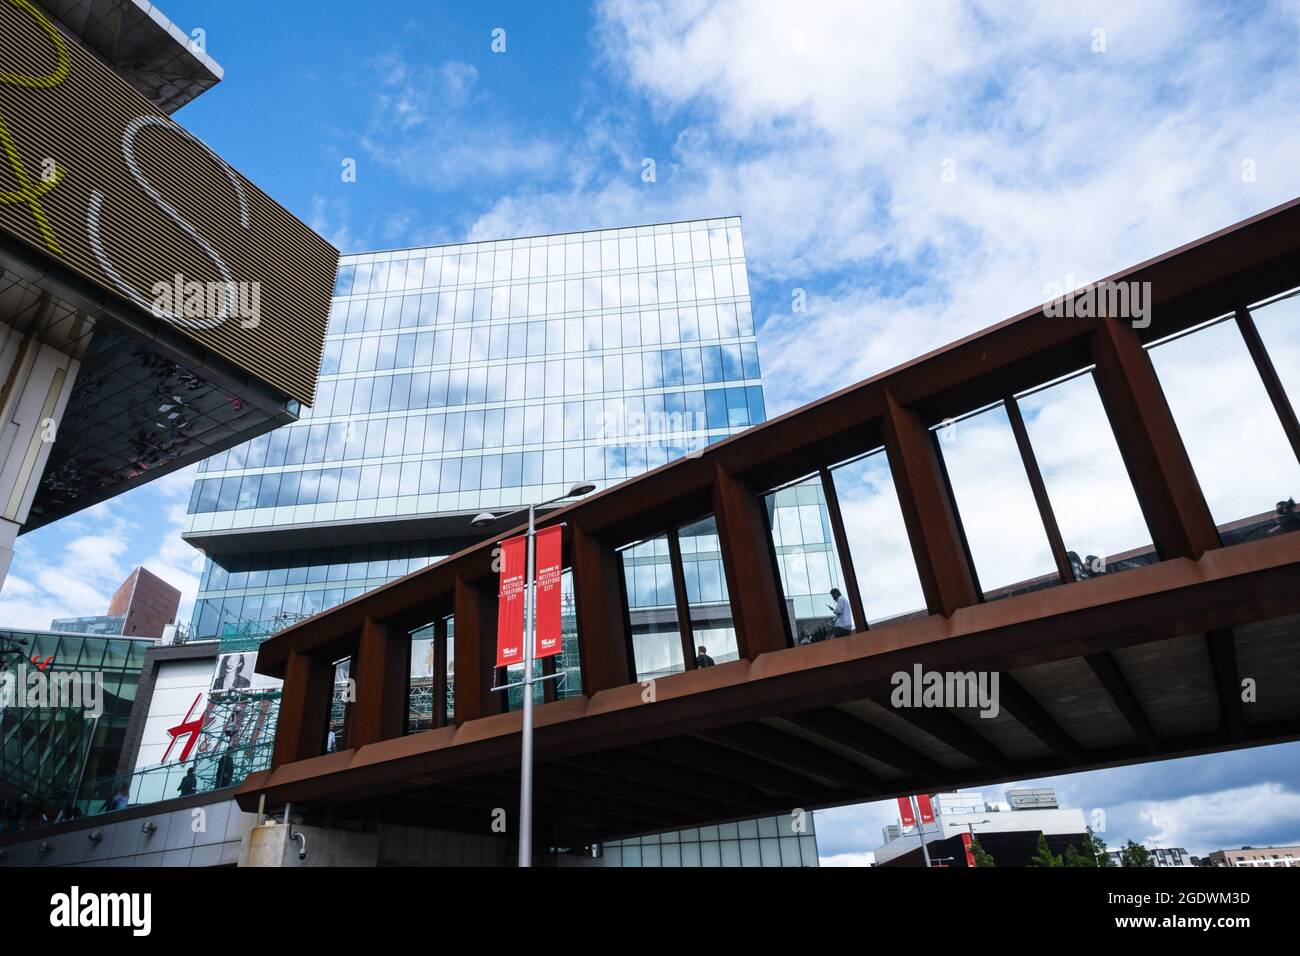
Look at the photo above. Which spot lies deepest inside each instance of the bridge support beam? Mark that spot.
(476, 639)
(756, 606)
(937, 543)
(598, 599)
(382, 672)
(304, 708)
(1162, 475)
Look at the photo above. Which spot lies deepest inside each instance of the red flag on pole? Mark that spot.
(510, 602)
(548, 640)
(927, 811)
(966, 842)
(905, 813)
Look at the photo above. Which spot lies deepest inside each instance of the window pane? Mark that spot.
(805, 556)
(1242, 459)
(706, 591)
(992, 493)
(652, 609)
(1087, 482)
(878, 542)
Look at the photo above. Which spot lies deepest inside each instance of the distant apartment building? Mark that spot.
(1256, 856)
(142, 606)
(1160, 856)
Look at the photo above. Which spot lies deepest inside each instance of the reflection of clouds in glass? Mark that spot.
(1238, 449)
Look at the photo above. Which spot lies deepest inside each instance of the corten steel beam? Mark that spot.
(476, 628)
(1272, 384)
(729, 775)
(1227, 682)
(598, 601)
(1021, 705)
(304, 709)
(937, 544)
(684, 629)
(1162, 475)
(549, 690)
(639, 793)
(954, 733)
(1039, 489)
(793, 753)
(440, 672)
(492, 793)
(1198, 587)
(756, 603)
(637, 768)
(848, 731)
(1243, 583)
(382, 672)
(845, 552)
(1112, 679)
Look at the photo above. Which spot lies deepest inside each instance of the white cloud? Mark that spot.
(826, 125)
(434, 127)
(848, 859)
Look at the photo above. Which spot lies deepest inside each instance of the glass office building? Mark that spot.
(457, 379)
(54, 746)
(786, 840)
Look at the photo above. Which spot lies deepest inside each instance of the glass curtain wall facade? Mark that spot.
(786, 840)
(52, 746)
(483, 376)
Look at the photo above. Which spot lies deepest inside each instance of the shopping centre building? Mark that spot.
(156, 307)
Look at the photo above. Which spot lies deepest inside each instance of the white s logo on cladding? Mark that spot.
(96, 241)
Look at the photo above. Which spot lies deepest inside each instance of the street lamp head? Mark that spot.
(581, 488)
(484, 519)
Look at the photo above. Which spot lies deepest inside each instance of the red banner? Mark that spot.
(927, 811)
(548, 639)
(966, 842)
(905, 813)
(510, 602)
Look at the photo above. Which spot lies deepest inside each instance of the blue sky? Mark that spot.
(919, 170)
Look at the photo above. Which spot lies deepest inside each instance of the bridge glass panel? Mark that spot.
(805, 556)
(1004, 529)
(1278, 322)
(1233, 436)
(706, 590)
(451, 669)
(1092, 498)
(420, 689)
(336, 729)
(877, 538)
(652, 608)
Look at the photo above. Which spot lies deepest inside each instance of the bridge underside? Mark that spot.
(1144, 665)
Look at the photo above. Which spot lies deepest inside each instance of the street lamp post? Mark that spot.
(530, 607)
